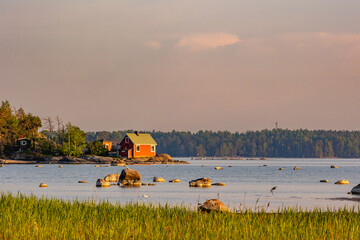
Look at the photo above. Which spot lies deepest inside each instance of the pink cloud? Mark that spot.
(205, 41)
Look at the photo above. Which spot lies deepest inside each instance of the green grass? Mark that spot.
(28, 217)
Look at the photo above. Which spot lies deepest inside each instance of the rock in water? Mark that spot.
(102, 183)
(219, 184)
(344, 181)
(60, 166)
(158, 179)
(324, 180)
(281, 168)
(129, 177)
(214, 205)
(356, 189)
(112, 177)
(43, 185)
(81, 181)
(334, 166)
(175, 180)
(218, 168)
(200, 182)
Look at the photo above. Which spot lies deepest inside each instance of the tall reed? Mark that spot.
(29, 217)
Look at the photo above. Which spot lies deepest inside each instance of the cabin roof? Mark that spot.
(142, 138)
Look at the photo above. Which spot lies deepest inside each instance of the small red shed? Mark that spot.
(137, 145)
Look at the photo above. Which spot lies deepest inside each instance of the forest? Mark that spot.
(50, 136)
(265, 143)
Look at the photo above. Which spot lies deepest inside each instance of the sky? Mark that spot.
(183, 65)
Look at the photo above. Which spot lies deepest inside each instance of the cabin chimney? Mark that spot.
(137, 133)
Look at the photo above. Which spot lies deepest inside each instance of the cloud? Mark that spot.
(154, 45)
(206, 41)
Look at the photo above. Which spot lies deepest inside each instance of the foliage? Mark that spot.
(97, 148)
(25, 217)
(74, 141)
(265, 143)
(14, 123)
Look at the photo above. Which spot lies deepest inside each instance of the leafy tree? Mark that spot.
(74, 141)
(97, 148)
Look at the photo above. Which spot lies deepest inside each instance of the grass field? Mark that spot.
(28, 217)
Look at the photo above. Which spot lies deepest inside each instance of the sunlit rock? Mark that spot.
(200, 182)
(343, 181)
(102, 183)
(158, 179)
(112, 177)
(130, 177)
(43, 185)
(214, 205)
(324, 180)
(175, 180)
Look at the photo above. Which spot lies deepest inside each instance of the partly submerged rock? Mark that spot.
(334, 166)
(144, 184)
(158, 179)
(281, 168)
(81, 181)
(39, 166)
(214, 205)
(130, 177)
(218, 184)
(151, 184)
(60, 166)
(43, 185)
(324, 180)
(356, 189)
(296, 168)
(175, 180)
(343, 181)
(200, 182)
(218, 168)
(102, 183)
(112, 177)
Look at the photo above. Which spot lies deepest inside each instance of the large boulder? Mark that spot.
(356, 189)
(214, 205)
(112, 177)
(200, 182)
(102, 183)
(129, 177)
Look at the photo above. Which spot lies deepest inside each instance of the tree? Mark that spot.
(97, 148)
(74, 141)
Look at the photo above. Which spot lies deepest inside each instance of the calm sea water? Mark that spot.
(247, 184)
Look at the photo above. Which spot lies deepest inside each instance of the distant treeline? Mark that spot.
(265, 143)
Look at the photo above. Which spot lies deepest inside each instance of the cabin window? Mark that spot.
(138, 148)
(152, 148)
(126, 140)
(23, 143)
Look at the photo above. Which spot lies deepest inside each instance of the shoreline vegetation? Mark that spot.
(29, 217)
(92, 159)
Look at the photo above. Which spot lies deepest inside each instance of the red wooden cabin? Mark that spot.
(137, 145)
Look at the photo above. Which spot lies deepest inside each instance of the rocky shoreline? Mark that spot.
(91, 159)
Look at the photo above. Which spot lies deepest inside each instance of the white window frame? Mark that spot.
(137, 148)
(152, 148)
(126, 140)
